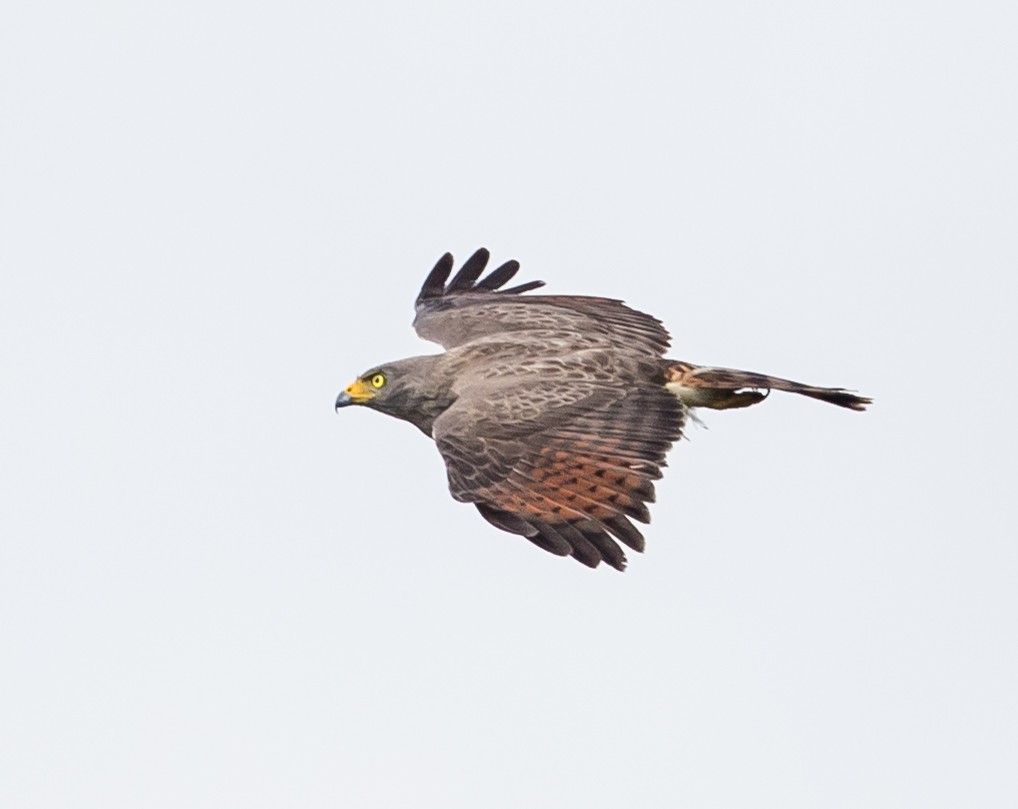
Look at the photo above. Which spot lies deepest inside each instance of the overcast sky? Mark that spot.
(216, 592)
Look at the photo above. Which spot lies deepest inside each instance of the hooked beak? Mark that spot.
(356, 393)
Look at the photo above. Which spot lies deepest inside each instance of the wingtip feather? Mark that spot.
(471, 270)
(466, 279)
(434, 284)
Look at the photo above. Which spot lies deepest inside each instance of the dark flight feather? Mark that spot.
(463, 281)
(522, 288)
(499, 276)
(434, 284)
(466, 279)
(626, 532)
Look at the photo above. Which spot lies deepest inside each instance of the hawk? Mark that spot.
(553, 413)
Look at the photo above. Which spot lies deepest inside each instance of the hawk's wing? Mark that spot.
(467, 309)
(561, 462)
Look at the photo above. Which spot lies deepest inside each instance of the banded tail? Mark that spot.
(724, 388)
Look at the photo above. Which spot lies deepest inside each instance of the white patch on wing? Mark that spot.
(690, 397)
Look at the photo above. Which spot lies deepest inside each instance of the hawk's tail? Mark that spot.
(723, 388)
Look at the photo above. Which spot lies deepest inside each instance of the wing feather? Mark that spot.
(471, 270)
(498, 277)
(470, 308)
(434, 284)
(569, 480)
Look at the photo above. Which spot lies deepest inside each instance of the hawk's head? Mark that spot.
(414, 389)
(363, 390)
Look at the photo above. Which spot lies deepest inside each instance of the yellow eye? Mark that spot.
(377, 380)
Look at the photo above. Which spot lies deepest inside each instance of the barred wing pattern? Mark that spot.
(467, 309)
(570, 479)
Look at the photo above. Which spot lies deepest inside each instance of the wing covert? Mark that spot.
(468, 308)
(570, 480)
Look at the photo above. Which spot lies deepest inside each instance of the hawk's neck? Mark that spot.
(429, 391)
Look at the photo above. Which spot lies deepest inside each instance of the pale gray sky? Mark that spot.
(215, 592)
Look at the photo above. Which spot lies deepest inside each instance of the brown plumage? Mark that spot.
(553, 413)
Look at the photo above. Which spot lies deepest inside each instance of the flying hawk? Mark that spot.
(553, 413)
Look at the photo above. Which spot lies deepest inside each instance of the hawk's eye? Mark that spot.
(377, 380)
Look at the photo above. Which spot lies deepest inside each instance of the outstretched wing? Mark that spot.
(467, 309)
(565, 464)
